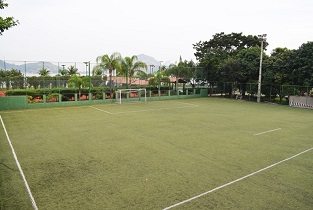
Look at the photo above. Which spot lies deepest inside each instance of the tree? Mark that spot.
(184, 69)
(63, 72)
(7, 22)
(43, 72)
(72, 70)
(110, 63)
(302, 65)
(78, 82)
(130, 66)
(12, 78)
(158, 78)
(97, 71)
(277, 67)
(213, 54)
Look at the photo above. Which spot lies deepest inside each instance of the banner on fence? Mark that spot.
(301, 101)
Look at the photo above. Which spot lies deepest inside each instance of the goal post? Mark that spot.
(131, 95)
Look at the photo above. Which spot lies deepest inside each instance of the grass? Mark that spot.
(150, 156)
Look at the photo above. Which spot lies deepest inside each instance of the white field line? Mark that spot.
(187, 103)
(267, 131)
(142, 110)
(101, 110)
(147, 110)
(20, 168)
(40, 109)
(237, 180)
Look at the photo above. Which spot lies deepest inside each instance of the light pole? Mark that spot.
(63, 67)
(160, 65)
(86, 63)
(262, 39)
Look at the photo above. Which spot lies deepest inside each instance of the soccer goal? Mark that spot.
(131, 95)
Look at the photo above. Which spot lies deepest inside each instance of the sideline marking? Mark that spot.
(237, 180)
(19, 167)
(267, 131)
(100, 110)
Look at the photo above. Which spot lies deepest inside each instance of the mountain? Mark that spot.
(31, 68)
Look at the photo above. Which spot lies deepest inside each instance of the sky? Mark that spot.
(80, 30)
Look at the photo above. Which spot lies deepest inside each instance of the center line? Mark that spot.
(100, 110)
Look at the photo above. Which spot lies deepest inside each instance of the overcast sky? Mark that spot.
(80, 30)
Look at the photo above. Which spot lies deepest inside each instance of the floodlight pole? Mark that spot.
(86, 63)
(89, 78)
(262, 39)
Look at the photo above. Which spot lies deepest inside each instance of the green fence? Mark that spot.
(13, 102)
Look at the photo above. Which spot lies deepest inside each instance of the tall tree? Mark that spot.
(72, 70)
(109, 63)
(43, 72)
(131, 66)
(212, 54)
(302, 65)
(278, 68)
(6, 22)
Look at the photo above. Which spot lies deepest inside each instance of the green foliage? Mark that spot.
(6, 22)
(130, 66)
(158, 78)
(218, 53)
(72, 70)
(12, 79)
(43, 72)
(112, 62)
(184, 69)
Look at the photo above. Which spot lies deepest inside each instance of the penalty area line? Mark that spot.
(100, 110)
(237, 180)
(19, 167)
(267, 131)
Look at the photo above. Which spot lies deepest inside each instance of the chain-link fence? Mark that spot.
(56, 81)
(248, 91)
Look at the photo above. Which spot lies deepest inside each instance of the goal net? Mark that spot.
(131, 95)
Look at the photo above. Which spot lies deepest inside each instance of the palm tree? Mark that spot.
(72, 70)
(44, 72)
(110, 63)
(96, 71)
(130, 66)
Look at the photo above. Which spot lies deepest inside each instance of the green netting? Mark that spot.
(13, 102)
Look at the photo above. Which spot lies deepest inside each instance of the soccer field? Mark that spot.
(157, 154)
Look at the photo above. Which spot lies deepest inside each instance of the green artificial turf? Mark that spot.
(153, 155)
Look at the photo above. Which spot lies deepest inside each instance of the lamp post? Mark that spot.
(160, 65)
(63, 67)
(262, 39)
(86, 63)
